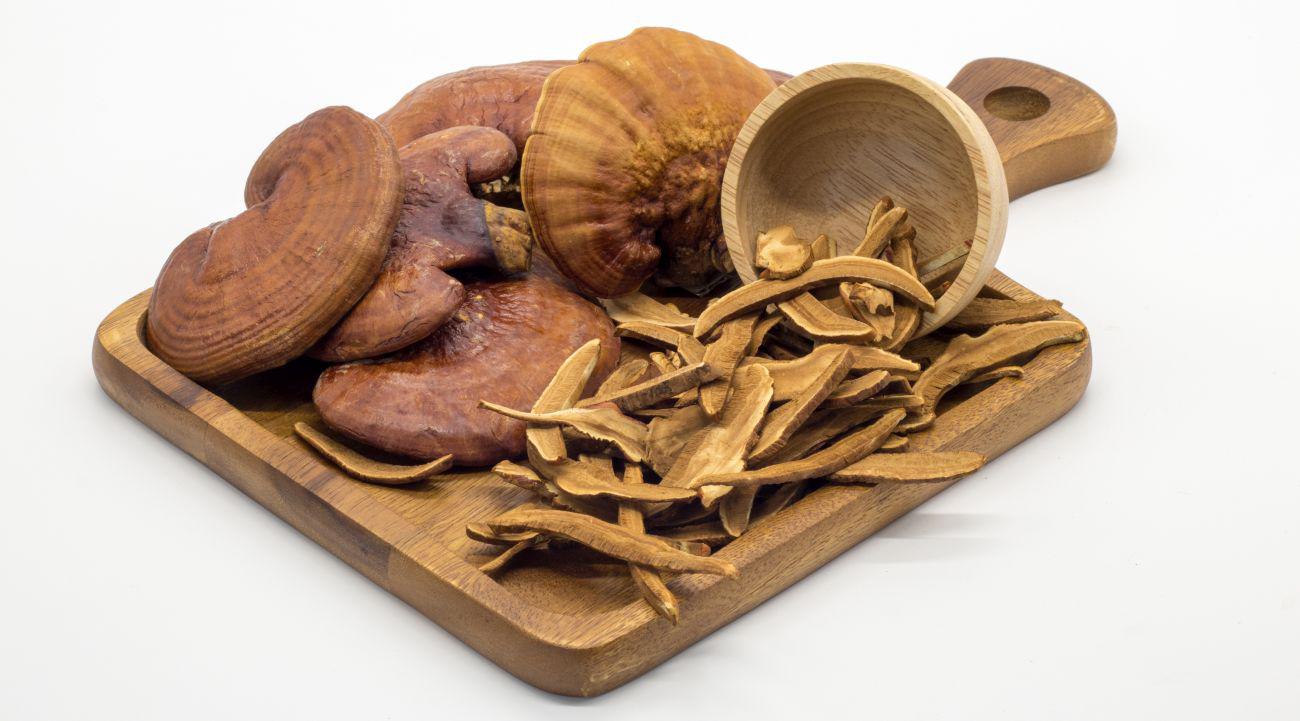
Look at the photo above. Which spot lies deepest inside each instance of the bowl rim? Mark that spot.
(982, 155)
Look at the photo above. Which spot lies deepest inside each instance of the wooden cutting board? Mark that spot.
(581, 629)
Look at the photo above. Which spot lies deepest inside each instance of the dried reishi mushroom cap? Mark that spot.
(442, 227)
(623, 173)
(256, 291)
(495, 96)
(505, 342)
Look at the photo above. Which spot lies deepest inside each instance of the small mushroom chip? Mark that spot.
(780, 254)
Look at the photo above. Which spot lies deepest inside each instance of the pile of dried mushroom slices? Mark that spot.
(809, 375)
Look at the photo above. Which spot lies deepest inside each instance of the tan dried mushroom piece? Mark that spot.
(610, 539)
(367, 469)
(258, 290)
(780, 254)
(723, 355)
(987, 312)
(756, 295)
(641, 308)
(968, 356)
(648, 581)
(602, 423)
(622, 176)
(910, 468)
(505, 342)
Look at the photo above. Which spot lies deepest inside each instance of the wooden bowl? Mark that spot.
(822, 148)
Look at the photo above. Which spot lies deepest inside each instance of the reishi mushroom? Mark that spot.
(442, 227)
(622, 174)
(505, 343)
(253, 292)
(495, 96)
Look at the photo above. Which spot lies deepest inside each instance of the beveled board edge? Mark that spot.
(577, 656)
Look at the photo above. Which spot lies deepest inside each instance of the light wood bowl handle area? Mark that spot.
(1049, 127)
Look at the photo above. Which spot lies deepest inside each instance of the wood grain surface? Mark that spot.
(575, 628)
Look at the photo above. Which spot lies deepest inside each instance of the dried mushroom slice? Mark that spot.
(844, 452)
(723, 355)
(499, 562)
(984, 313)
(622, 176)
(721, 447)
(669, 435)
(813, 319)
(789, 377)
(761, 329)
(256, 291)
(647, 580)
(907, 316)
(691, 350)
(423, 401)
(657, 389)
(857, 390)
(879, 232)
(997, 374)
(940, 467)
(546, 443)
(866, 299)
(791, 415)
(497, 96)
(780, 254)
(756, 295)
(603, 423)
(610, 540)
(368, 469)
(524, 477)
(641, 308)
(820, 248)
(735, 510)
(628, 373)
(441, 227)
(586, 478)
(968, 356)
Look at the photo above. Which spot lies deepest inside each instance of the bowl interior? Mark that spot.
(821, 150)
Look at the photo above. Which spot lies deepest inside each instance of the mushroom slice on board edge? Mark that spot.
(505, 343)
(258, 290)
(442, 227)
(622, 175)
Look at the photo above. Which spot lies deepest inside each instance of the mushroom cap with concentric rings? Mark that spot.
(256, 291)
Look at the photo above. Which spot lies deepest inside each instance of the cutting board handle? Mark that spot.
(1049, 127)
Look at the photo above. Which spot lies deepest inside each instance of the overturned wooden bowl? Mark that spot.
(822, 148)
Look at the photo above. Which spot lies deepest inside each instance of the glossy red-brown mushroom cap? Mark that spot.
(622, 175)
(256, 291)
(442, 226)
(504, 344)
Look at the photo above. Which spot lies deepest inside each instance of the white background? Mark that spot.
(1138, 559)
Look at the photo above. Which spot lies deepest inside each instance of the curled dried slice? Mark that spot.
(691, 350)
(721, 447)
(641, 308)
(669, 434)
(879, 231)
(611, 540)
(647, 580)
(481, 533)
(586, 479)
(761, 329)
(626, 374)
(546, 443)
(723, 355)
(895, 444)
(499, 562)
(782, 497)
(907, 316)
(368, 469)
(848, 450)
(968, 356)
(815, 320)
(787, 418)
(599, 423)
(756, 295)
(820, 248)
(710, 533)
(735, 510)
(524, 477)
(659, 388)
(780, 254)
(997, 374)
(911, 467)
(867, 299)
(983, 313)
(822, 427)
(857, 390)
(868, 359)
